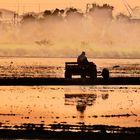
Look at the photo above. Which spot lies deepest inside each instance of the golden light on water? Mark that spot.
(49, 104)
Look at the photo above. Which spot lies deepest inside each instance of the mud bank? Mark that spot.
(28, 134)
(75, 81)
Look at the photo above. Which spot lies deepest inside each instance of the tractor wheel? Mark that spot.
(68, 75)
(105, 74)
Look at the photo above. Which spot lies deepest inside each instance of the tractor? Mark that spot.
(88, 70)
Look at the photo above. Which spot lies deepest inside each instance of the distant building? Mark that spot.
(8, 16)
(134, 13)
(123, 18)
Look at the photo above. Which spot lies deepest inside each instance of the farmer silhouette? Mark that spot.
(82, 59)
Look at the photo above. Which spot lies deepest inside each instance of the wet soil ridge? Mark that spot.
(75, 81)
(11, 114)
(80, 127)
(63, 131)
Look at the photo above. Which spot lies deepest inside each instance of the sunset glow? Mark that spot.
(41, 5)
(69, 69)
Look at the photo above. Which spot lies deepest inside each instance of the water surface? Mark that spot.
(91, 105)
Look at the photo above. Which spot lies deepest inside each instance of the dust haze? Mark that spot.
(68, 33)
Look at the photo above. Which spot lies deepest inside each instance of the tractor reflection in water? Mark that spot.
(84, 101)
(81, 101)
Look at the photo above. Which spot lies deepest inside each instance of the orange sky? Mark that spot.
(33, 5)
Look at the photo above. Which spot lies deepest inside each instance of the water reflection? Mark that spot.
(105, 96)
(73, 105)
(81, 101)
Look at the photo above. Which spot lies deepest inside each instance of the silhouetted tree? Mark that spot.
(28, 18)
(62, 11)
(101, 13)
(57, 14)
(73, 13)
(47, 13)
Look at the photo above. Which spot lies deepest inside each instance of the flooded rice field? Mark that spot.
(46, 106)
(54, 67)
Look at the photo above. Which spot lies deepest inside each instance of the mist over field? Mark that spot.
(59, 36)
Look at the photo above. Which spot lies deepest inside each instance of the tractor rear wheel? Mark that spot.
(105, 74)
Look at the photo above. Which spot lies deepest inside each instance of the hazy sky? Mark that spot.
(36, 5)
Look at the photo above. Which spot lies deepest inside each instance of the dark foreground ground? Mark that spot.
(86, 132)
(75, 81)
(49, 135)
(63, 132)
